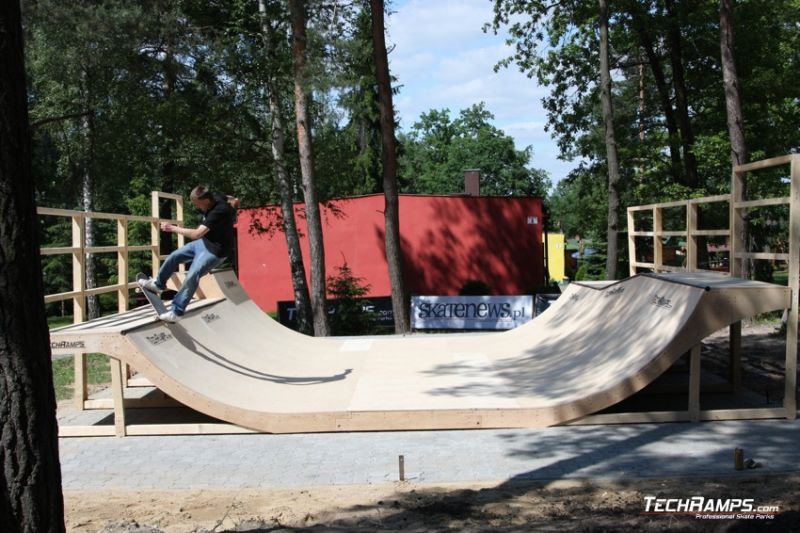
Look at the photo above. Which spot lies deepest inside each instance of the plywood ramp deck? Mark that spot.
(596, 345)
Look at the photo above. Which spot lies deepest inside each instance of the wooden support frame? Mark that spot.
(738, 253)
(691, 233)
(78, 252)
(155, 231)
(694, 384)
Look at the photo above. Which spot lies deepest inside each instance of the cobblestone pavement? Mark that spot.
(430, 457)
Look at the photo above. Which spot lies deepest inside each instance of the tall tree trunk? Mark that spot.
(30, 477)
(733, 101)
(733, 106)
(681, 100)
(644, 32)
(319, 304)
(87, 203)
(611, 146)
(391, 213)
(168, 174)
(285, 187)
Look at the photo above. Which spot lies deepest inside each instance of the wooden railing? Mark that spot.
(122, 248)
(657, 233)
(738, 206)
(738, 252)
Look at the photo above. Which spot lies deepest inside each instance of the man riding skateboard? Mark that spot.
(212, 242)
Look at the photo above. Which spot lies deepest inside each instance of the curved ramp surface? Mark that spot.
(596, 345)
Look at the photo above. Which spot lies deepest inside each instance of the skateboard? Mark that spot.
(152, 297)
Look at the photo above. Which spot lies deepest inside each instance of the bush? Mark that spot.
(474, 287)
(352, 316)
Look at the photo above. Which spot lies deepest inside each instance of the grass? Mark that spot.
(54, 322)
(98, 370)
(771, 318)
(780, 277)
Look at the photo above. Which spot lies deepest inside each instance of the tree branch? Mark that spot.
(49, 120)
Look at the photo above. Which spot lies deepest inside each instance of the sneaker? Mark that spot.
(150, 285)
(170, 317)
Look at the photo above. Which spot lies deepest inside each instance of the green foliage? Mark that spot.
(165, 95)
(557, 44)
(437, 151)
(352, 316)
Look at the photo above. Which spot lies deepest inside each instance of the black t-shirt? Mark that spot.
(219, 220)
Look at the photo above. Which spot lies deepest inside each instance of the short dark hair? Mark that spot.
(201, 192)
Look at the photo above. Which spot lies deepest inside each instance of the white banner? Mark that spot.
(470, 312)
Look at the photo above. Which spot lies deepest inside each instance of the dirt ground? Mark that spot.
(559, 506)
(556, 506)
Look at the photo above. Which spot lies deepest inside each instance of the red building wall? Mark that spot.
(446, 240)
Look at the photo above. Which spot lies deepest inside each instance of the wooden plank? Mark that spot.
(680, 416)
(712, 232)
(101, 249)
(710, 199)
(140, 248)
(61, 296)
(743, 414)
(735, 356)
(672, 234)
(631, 418)
(761, 203)
(643, 234)
(123, 293)
(765, 163)
(86, 431)
(692, 215)
(106, 289)
(60, 250)
(694, 384)
(736, 241)
(155, 233)
(790, 379)
(680, 203)
(118, 396)
(80, 389)
(187, 429)
(78, 269)
(179, 216)
(50, 211)
(671, 268)
(132, 403)
(761, 255)
(169, 195)
(631, 244)
(658, 246)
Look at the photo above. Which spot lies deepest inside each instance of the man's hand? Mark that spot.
(168, 228)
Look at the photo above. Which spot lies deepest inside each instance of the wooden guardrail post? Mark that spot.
(631, 243)
(790, 392)
(78, 269)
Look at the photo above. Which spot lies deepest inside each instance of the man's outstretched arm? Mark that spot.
(194, 234)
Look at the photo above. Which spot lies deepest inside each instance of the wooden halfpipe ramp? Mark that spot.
(595, 346)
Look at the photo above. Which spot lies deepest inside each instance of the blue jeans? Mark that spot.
(203, 262)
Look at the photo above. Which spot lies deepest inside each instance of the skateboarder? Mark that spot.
(212, 242)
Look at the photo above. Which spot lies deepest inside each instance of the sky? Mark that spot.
(443, 59)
